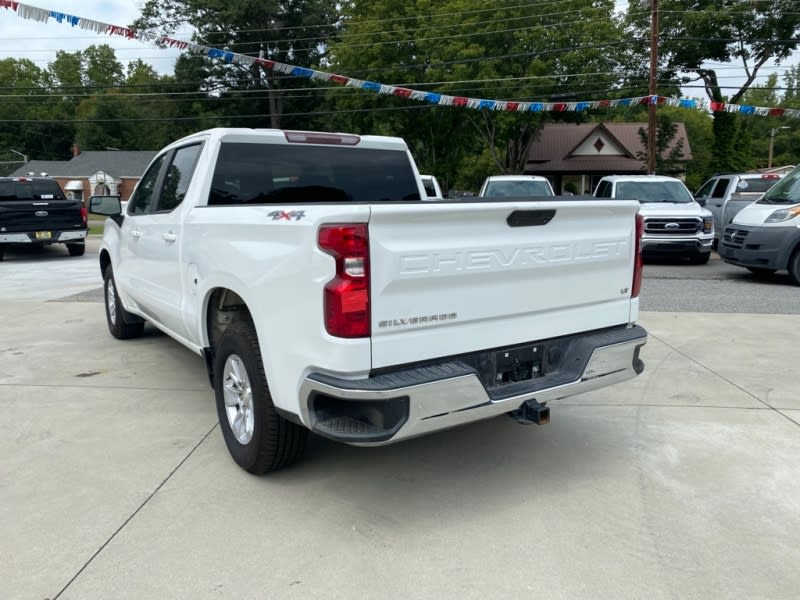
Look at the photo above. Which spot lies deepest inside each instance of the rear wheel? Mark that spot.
(76, 249)
(258, 438)
(794, 267)
(122, 324)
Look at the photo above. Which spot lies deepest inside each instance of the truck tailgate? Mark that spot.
(27, 215)
(459, 277)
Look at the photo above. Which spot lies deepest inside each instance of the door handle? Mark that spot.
(135, 233)
(169, 237)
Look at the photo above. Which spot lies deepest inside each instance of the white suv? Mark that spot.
(674, 223)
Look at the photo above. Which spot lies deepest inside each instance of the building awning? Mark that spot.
(74, 185)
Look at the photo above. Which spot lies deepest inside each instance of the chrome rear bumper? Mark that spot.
(416, 401)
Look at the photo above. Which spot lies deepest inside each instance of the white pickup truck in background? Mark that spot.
(725, 195)
(325, 296)
(516, 186)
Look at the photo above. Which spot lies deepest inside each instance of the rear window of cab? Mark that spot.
(248, 173)
(11, 189)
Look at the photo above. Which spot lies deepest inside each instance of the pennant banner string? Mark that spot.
(42, 15)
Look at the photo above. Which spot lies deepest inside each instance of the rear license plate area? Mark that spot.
(44, 235)
(518, 364)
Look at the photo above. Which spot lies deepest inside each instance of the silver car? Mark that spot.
(725, 195)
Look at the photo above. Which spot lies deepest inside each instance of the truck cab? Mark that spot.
(725, 195)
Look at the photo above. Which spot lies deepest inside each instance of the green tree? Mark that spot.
(669, 151)
(289, 31)
(466, 48)
(694, 33)
(26, 103)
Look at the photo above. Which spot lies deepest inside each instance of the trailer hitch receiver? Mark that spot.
(531, 411)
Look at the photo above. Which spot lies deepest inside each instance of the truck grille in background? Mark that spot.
(734, 237)
(668, 226)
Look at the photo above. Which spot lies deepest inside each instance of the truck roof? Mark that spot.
(288, 136)
(616, 178)
(516, 178)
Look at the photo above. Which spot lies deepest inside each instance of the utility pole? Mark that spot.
(653, 89)
(772, 133)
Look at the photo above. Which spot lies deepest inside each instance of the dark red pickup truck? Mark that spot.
(35, 211)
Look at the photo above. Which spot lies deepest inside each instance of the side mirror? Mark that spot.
(700, 201)
(105, 205)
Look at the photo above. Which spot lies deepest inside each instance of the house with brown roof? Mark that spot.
(93, 173)
(576, 155)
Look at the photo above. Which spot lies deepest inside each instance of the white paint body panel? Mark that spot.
(512, 284)
(755, 215)
(491, 285)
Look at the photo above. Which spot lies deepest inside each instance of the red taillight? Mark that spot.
(346, 296)
(638, 262)
(84, 215)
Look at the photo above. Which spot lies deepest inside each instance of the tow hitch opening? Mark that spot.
(532, 411)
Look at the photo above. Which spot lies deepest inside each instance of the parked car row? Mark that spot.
(764, 236)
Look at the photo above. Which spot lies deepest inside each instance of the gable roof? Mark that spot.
(117, 163)
(555, 148)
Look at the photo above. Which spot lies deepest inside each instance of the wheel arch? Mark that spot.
(105, 261)
(222, 308)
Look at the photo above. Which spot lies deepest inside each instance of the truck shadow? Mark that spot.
(463, 471)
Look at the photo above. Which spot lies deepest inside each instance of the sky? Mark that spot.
(26, 38)
(39, 42)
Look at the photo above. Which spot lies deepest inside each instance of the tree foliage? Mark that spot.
(289, 31)
(473, 49)
(696, 33)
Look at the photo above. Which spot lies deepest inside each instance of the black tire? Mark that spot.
(761, 272)
(275, 442)
(700, 259)
(794, 267)
(122, 324)
(76, 249)
(2, 250)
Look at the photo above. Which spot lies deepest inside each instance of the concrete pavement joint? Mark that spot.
(136, 512)
(734, 384)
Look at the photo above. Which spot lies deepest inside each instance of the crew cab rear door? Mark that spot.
(450, 278)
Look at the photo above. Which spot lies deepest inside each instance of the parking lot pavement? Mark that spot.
(49, 272)
(683, 483)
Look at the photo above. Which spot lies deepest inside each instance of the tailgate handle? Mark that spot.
(530, 218)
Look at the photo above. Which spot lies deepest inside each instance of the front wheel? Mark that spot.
(794, 267)
(258, 438)
(122, 324)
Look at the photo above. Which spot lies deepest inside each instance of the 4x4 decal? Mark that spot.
(292, 215)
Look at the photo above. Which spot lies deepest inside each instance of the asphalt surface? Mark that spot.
(683, 483)
(715, 287)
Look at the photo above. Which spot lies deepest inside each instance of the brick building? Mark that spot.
(93, 173)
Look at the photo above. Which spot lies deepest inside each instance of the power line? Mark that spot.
(84, 91)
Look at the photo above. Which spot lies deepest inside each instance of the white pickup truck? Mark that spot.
(325, 296)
